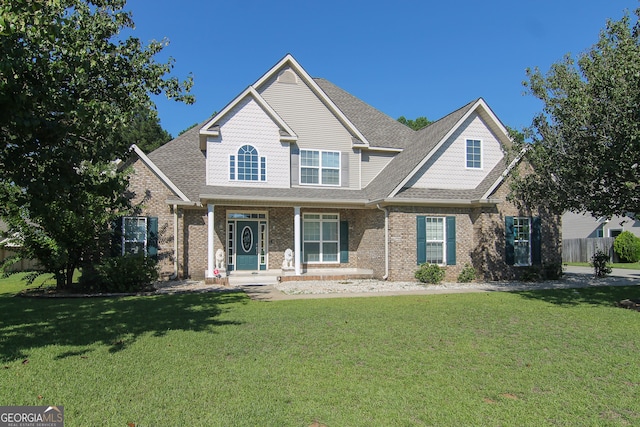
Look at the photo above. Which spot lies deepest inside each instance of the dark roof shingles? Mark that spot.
(184, 163)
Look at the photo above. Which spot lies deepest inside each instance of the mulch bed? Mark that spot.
(629, 304)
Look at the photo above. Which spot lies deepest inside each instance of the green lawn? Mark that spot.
(625, 265)
(566, 357)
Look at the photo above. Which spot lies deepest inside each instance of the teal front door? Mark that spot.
(247, 245)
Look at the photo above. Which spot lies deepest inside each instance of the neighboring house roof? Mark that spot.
(183, 162)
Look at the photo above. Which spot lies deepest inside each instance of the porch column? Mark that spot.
(296, 239)
(210, 264)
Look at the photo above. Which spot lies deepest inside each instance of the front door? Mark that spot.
(247, 245)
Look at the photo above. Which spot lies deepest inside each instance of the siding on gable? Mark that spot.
(372, 163)
(314, 124)
(579, 226)
(248, 124)
(447, 168)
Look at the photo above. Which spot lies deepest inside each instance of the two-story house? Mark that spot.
(296, 166)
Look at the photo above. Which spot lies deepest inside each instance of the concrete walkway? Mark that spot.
(575, 277)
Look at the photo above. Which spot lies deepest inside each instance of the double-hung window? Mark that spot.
(321, 238)
(320, 167)
(246, 165)
(136, 235)
(474, 154)
(435, 239)
(522, 240)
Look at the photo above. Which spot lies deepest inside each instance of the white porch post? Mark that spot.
(296, 239)
(210, 232)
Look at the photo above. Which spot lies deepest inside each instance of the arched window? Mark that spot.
(247, 163)
(247, 166)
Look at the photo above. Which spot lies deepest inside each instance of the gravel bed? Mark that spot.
(372, 285)
(362, 286)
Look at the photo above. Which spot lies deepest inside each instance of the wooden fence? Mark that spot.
(581, 250)
(22, 265)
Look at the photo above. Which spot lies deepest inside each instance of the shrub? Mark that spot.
(552, 271)
(129, 273)
(468, 274)
(531, 273)
(627, 246)
(600, 263)
(430, 273)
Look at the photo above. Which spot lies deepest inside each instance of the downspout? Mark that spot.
(175, 243)
(386, 241)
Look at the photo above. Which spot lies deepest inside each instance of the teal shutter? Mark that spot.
(116, 237)
(344, 241)
(421, 233)
(536, 241)
(451, 240)
(152, 237)
(510, 254)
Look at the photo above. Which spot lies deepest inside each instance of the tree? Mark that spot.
(70, 89)
(585, 149)
(145, 131)
(417, 124)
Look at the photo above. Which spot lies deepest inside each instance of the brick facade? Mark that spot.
(480, 239)
(150, 195)
(480, 234)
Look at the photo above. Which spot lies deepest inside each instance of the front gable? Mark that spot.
(464, 160)
(248, 131)
(317, 125)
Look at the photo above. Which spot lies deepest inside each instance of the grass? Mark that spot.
(624, 265)
(562, 357)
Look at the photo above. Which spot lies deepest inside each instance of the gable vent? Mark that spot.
(288, 76)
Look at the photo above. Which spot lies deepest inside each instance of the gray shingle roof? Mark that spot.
(405, 162)
(184, 163)
(299, 194)
(453, 194)
(379, 129)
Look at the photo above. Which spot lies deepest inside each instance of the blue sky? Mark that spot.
(405, 58)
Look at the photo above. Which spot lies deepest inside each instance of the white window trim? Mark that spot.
(515, 240)
(614, 229)
(319, 167)
(124, 235)
(444, 237)
(466, 164)
(321, 241)
(235, 155)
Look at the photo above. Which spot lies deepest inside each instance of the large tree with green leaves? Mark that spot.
(146, 131)
(71, 85)
(585, 149)
(417, 124)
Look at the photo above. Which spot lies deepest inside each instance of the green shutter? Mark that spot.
(152, 237)
(510, 254)
(116, 237)
(536, 241)
(421, 233)
(344, 241)
(451, 240)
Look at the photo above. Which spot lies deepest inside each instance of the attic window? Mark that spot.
(287, 76)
